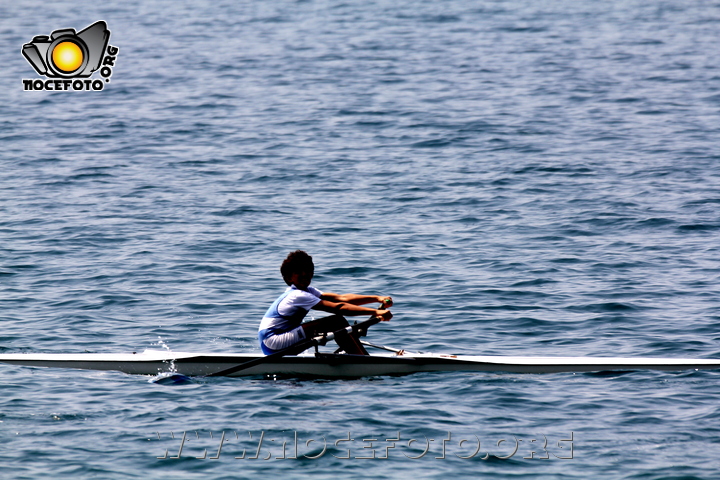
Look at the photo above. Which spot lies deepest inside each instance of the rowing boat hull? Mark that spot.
(345, 366)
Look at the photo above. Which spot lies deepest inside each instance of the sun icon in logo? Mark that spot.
(67, 56)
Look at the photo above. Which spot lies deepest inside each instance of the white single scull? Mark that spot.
(332, 365)
(327, 365)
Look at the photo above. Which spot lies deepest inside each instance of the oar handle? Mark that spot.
(359, 329)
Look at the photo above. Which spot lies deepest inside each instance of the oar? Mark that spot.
(382, 347)
(358, 329)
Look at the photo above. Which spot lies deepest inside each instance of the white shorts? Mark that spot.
(284, 340)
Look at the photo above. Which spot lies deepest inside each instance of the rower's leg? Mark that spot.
(334, 323)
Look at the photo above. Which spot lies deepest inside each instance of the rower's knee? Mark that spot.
(324, 325)
(335, 322)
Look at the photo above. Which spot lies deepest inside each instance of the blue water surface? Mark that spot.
(523, 177)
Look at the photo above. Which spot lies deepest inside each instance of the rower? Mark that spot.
(282, 326)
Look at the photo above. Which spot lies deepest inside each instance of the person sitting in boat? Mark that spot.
(282, 326)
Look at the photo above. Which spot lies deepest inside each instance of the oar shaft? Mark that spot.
(382, 347)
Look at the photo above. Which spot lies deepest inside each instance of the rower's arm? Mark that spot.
(356, 299)
(351, 309)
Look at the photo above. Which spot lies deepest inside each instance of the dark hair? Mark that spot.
(296, 262)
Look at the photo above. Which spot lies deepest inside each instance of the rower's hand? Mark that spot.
(385, 302)
(384, 315)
